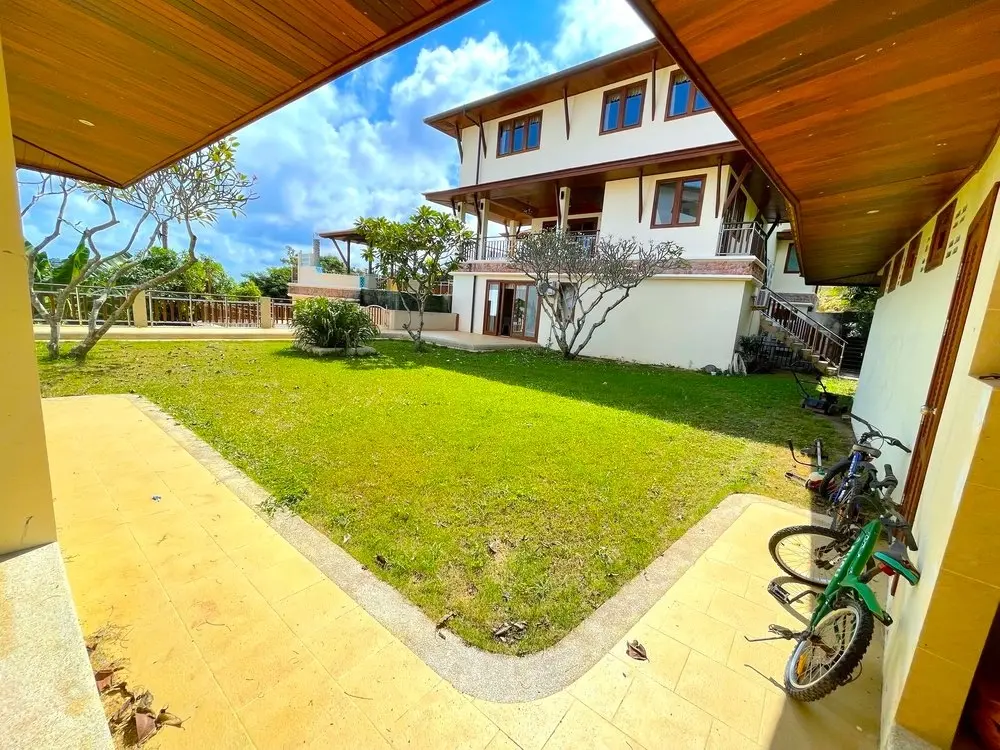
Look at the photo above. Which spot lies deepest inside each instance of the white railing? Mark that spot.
(180, 308)
(499, 248)
(814, 336)
(80, 302)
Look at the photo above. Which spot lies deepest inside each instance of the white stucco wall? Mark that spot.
(902, 348)
(310, 276)
(621, 214)
(461, 299)
(586, 145)
(681, 322)
(780, 281)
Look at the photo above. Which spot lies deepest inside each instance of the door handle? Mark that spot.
(927, 410)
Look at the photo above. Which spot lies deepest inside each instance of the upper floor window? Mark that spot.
(792, 260)
(677, 202)
(622, 107)
(685, 98)
(520, 134)
(939, 240)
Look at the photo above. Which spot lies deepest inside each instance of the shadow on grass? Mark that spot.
(763, 408)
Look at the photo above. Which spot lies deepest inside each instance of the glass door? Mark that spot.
(519, 311)
(491, 324)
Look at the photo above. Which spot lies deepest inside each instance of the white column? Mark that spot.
(484, 226)
(266, 313)
(563, 209)
(140, 313)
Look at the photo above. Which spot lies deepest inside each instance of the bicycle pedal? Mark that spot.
(779, 592)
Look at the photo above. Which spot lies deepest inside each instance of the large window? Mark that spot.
(520, 134)
(685, 98)
(623, 108)
(939, 240)
(792, 259)
(677, 202)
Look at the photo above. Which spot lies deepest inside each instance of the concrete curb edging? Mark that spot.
(480, 674)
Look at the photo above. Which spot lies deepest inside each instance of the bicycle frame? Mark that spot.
(850, 576)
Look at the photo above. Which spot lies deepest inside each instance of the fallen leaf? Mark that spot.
(382, 562)
(145, 727)
(105, 678)
(165, 718)
(636, 650)
(444, 620)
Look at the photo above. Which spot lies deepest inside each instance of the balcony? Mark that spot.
(743, 238)
(499, 248)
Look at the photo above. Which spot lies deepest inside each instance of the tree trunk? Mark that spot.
(54, 329)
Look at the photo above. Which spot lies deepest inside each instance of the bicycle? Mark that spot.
(839, 632)
(851, 477)
(812, 553)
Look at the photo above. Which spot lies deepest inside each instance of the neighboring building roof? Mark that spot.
(864, 133)
(110, 92)
(627, 63)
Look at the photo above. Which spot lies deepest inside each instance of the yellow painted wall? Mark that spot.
(26, 517)
(931, 650)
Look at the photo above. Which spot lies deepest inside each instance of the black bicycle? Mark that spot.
(848, 483)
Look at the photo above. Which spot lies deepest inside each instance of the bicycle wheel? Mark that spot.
(809, 553)
(827, 658)
(834, 478)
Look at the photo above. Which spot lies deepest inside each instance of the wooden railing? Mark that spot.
(814, 336)
(743, 238)
(79, 302)
(171, 308)
(377, 314)
(281, 312)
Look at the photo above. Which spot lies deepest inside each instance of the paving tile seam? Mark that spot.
(480, 674)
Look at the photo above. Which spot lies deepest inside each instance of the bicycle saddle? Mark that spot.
(897, 559)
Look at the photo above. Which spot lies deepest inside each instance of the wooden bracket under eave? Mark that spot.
(458, 140)
(566, 110)
(641, 174)
(652, 91)
(482, 135)
(731, 195)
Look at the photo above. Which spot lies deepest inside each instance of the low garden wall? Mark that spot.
(433, 321)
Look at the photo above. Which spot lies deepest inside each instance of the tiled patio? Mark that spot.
(254, 647)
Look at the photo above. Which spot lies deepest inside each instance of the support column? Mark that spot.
(140, 312)
(563, 209)
(26, 514)
(484, 226)
(266, 313)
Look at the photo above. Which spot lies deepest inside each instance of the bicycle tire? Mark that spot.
(812, 531)
(833, 479)
(849, 659)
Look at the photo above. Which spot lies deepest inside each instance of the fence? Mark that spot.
(175, 308)
(377, 313)
(281, 312)
(80, 302)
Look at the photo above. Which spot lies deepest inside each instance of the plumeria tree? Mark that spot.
(581, 279)
(193, 192)
(417, 255)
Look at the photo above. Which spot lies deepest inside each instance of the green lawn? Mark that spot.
(511, 486)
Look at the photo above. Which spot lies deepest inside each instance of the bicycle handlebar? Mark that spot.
(874, 431)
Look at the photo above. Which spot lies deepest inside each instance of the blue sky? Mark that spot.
(358, 146)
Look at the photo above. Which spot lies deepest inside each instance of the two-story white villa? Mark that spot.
(625, 146)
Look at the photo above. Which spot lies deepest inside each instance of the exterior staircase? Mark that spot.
(796, 330)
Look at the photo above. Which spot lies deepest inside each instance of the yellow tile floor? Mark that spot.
(244, 638)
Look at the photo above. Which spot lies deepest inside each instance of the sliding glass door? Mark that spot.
(511, 309)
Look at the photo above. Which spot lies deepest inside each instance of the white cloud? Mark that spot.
(591, 28)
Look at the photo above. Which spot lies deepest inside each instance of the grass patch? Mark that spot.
(511, 486)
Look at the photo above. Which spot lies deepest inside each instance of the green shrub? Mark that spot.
(331, 324)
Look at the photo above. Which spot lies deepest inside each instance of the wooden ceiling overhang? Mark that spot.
(866, 115)
(628, 63)
(109, 91)
(535, 196)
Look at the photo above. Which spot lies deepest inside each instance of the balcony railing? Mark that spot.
(743, 238)
(499, 248)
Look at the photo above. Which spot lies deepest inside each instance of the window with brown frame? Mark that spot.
(677, 202)
(622, 107)
(889, 276)
(939, 240)
(684, 97)
(520, 134)
(912, 250)
(897, 263)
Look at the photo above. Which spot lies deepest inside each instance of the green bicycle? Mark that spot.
(831, 648)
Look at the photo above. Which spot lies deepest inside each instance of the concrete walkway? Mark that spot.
(255, 647)
(470, 342)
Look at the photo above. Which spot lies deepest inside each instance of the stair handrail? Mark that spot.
(787, 307)
(812, 321)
